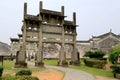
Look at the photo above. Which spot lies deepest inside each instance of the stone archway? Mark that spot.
(48, 27)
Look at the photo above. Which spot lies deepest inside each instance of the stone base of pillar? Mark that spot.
(21, 65)
(39, 64)
(63, 63)
(28, 59)
(76, 63)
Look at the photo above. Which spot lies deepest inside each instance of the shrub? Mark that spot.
(95, 63)
(113, 57)
(116, 69)
(88, 54)
(19, 78)
(24, 72)
(1, 71)
(94, 54)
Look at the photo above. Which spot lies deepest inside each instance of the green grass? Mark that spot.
(94, 71)
(51, 62)
(9, 65)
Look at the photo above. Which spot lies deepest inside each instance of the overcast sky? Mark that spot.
(94, 17)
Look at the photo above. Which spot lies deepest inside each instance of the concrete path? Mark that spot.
(70, 74)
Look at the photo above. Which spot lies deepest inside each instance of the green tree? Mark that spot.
(115, 51)
(94, 54)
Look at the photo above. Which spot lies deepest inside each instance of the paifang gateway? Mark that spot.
(48, 35)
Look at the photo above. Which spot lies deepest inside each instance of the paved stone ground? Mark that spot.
(70, 74)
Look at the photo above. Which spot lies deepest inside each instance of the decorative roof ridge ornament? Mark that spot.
(110, 30)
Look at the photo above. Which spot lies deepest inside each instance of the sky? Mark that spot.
(94, 17)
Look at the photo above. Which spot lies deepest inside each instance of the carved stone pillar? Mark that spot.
(39, 62)
(74, 55)
(62, 57)
(21, 63)
(21, 59)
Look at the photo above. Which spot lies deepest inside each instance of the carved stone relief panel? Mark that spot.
(53, 29)
(51, 50)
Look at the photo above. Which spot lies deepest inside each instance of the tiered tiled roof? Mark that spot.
(66, 22)
(14, 39)
(106, 34)
(50, 12)
(20, 35)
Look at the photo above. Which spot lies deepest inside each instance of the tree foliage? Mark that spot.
(94, 54)
(115, 51)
